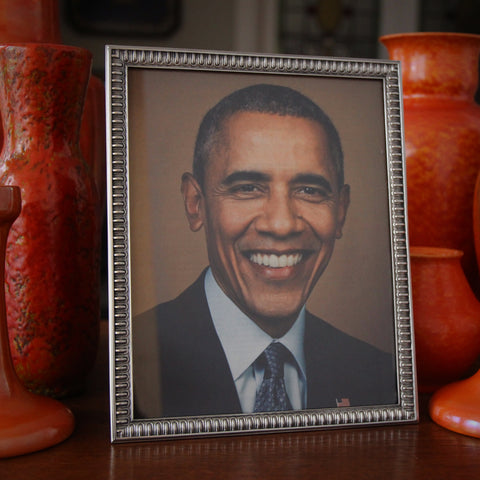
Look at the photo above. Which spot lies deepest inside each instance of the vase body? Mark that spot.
(446, 317)
(442, 138)
(476, 219)
(52, 259)
(92, 138)
(28, 422)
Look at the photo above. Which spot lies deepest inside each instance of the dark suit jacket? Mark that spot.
(195, 378)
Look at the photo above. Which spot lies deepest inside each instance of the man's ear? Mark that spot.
(343, 203)
(193, 201)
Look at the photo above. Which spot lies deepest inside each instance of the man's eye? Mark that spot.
(312, 190)
(312, 193)
(246, 189)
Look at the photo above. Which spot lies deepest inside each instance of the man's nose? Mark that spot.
(279, 216)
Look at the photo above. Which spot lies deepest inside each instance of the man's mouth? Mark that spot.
(272, 260)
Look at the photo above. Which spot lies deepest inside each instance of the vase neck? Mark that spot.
(42, 91)
(30, 21)
(437, 64)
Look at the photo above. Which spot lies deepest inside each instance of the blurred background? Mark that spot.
(313, 27)
(345, 28)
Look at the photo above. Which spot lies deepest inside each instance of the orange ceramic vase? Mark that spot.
(446, 317)
(442, 138)
(52, 260)
(457, 406)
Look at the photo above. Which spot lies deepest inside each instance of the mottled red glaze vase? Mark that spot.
(442, 138)
(38, 21)
(52, 259)
(446, 317)
(29, 20)
(28, 422)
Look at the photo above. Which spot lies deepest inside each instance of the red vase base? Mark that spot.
(457, 406)
(30, 422)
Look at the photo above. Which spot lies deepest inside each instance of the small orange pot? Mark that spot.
(446, 317)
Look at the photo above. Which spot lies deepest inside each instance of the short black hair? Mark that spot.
(262, 98)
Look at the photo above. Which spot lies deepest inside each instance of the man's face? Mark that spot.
(271, 209)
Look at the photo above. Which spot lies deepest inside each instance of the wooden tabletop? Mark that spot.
(422, 451)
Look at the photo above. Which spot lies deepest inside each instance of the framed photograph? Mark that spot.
(258, 254)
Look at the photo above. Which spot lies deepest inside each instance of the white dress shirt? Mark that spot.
(243, 341)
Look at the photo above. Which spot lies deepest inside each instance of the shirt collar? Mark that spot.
(242, 339)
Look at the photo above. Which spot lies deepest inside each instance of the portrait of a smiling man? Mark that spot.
(267, 190)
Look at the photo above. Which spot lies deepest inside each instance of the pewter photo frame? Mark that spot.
(258, 252)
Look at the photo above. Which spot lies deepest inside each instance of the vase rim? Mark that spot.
(434, 252)
(394, 36)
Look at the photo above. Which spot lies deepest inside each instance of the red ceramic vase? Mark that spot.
(52, 259)
(28, 422)
(446, 317)
(476, 219)
(37, 21)
(442, 138)
(29, 21)
(92, 137)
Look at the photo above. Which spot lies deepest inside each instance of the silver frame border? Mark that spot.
(123, 427)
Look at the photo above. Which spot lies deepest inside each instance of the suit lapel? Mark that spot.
(321, 378)
(200, 375)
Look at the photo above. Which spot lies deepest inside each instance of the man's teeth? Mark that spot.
(276, 261)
